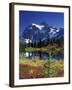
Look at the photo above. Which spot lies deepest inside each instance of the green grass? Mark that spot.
(41, 68)
(32, 62)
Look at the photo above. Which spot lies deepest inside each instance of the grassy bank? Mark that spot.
(40, 68)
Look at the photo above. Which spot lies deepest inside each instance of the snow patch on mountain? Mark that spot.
(39, 32)
(51, 30)
(40, 27)
(27, 40)
(57, 30)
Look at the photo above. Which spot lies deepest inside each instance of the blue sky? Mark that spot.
(26, 18)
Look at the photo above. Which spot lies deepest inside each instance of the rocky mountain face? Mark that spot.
(42, 33)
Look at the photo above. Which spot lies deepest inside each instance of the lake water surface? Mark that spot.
(41, 55)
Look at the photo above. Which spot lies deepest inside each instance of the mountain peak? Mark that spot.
(42, 32)
(40, 27)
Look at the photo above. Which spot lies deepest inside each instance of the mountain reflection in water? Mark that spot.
(41, 55)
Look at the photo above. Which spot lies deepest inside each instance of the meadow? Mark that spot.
(40, 68)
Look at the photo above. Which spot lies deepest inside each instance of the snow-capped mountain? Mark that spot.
(42, 32)
(38, 26)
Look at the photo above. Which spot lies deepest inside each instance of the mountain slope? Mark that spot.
(36, 33)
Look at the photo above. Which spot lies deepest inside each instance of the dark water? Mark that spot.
(41, 55)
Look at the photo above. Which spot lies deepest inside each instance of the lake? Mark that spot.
(41, 55)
